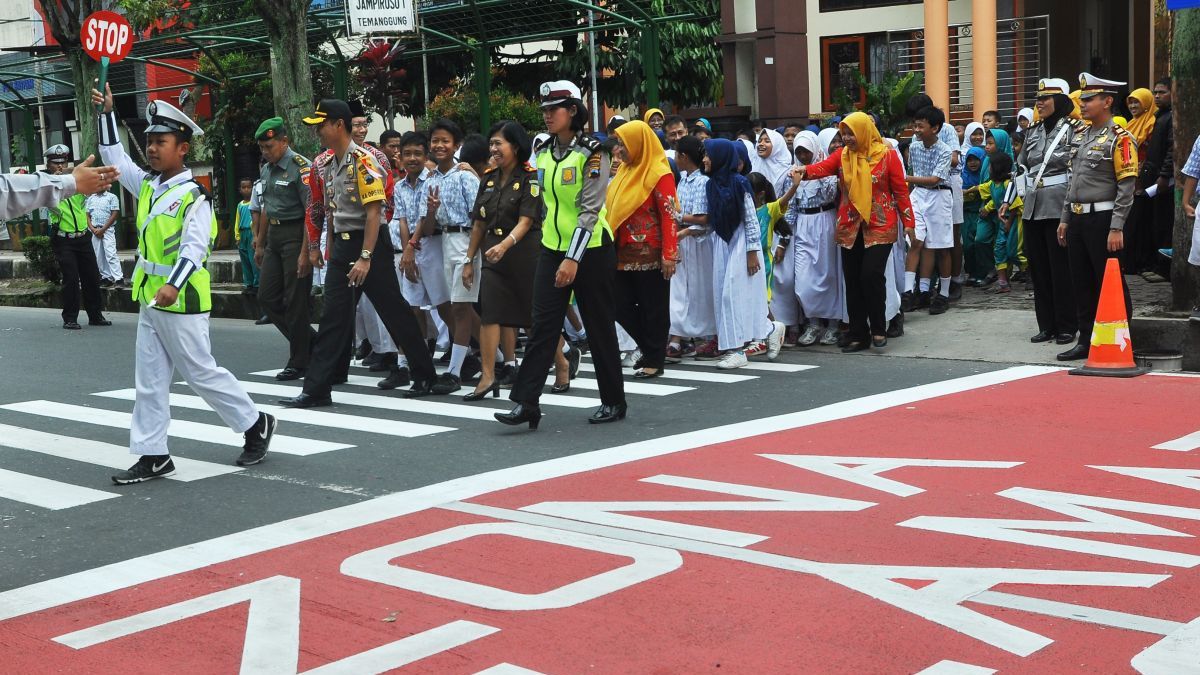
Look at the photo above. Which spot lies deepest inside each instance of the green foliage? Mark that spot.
(886, 98)
(460, 102)
(41, 255)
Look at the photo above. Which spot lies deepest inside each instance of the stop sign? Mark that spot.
(106, 34)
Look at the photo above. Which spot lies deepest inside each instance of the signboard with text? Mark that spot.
(365, 17)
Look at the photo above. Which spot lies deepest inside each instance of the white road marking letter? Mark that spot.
(866, 470)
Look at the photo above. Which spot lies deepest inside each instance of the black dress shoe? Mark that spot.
(506, 376)
(447, 383)
(561, 388)
(908, 301)
(400, 377)
(263, 320)
(856, 346)
(1064, 338)
(480, 394)
(373, 361)
(386, 363)
(420, 389)
(289, 373)
(1075, 353)
(643, 375)
(101, 321)
(895, 327)
(520, 415)
(72, 325)
(307, 401)
(879, 342)
(609, 413)
(364, 348)
(1042, 336)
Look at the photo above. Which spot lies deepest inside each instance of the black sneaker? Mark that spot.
(258, 439)
(955, 291)
(445, 359)
(923, 300)
(364, 348)
(147, 468)
(939, 304)
(506, 376)
(374, 362)
(908, 301)
(399, 377)
(471, 368)
(447, 383)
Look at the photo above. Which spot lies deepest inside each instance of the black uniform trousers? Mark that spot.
(1053, 299)
(337, 321)
(284, 296)
(866, 287)
(643, 310)
(593, 289)
(77, 260)
(1087, 251)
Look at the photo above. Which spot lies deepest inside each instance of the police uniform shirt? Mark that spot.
(21, 194)
(285, 187)
(1103, 169)
(351, 182)
(500, 204)
(1034, 153)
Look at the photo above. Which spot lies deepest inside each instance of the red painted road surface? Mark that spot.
(732, 562)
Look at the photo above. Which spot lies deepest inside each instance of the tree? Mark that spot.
(291, 78)
(1185, 67)
(886, 99)
(65, 18)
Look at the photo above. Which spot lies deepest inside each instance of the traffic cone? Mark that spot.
(1111, 353)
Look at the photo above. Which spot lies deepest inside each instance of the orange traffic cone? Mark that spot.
(1111, 353)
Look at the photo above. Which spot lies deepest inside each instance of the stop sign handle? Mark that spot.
(102, 82)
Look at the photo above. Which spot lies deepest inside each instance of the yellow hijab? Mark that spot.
(645, 165)
(1077, 99)
(857, 164)
(1143, 124)
(650, 113)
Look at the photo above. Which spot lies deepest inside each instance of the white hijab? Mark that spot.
(966, 142)
(536, 145)
(810, 142)
(775, 166)
(1027, 113)
(825, 139)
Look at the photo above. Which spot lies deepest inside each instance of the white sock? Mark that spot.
(458, 353)
(566, 347)
(944, 289)
(402, 361)
(499, 355)
(925, 284)
(910, 280)
(511, 363)
(959, 279)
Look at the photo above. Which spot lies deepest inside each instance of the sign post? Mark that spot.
(107, 37)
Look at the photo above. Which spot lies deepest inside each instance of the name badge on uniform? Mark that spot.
(284, 183)
(568, 175)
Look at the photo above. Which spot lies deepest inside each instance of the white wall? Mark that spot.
(19, 25)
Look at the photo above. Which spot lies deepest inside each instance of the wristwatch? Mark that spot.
(468, 260)
(365, 255)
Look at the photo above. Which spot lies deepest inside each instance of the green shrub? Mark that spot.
(40, 254)
(460, 102)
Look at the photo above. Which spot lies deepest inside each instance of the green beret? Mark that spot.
(269, 129)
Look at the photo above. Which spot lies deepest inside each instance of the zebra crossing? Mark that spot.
(33, 426)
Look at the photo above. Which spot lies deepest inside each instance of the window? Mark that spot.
(839, 5)
(841, 58)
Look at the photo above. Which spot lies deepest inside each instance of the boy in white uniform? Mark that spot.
(933, 205)
(103, 209)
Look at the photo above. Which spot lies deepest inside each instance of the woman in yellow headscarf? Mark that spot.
(655, 118)
(641, 206)
(1143, 110)
(1076, 98)
(874, 203)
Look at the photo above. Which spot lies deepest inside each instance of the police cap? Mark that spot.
(166, 118)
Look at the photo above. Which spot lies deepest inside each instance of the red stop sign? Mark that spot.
(106, 33)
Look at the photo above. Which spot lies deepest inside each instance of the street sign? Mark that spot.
(365, 17)
(1182, 4)
(108, 35)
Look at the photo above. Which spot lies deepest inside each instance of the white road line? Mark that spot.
(546, 399)
(947, 667)
(46, 493)
(635, 387)
(318, 418)
(1182, 444)
(764, 366)
(196, 431)
(691, 376)
(101, 454)
(90, 583)
(420, 406)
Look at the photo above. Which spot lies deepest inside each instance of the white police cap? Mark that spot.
(554, 93)
(1049, 86)
(1090, 85)
(58, 151)
(164, 118)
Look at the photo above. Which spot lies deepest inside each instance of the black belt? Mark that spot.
(813, 210)
(455, 228)
(70, 235)
(936, 187)
(285, 221)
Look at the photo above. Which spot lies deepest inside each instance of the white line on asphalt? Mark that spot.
(1182, 444)
(90, 583)
(947, 667)
(634, 387)
(317, 418)
(421, 406)
(46, 493)
(546, 399)
(196, 431)
(101, 454)
(764, 366)
(1065, 610)
(691, 376)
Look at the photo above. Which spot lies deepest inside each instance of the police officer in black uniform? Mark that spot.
(71, 240)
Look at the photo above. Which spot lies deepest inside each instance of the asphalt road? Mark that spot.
(67, 369)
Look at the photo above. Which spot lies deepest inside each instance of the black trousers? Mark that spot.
(1053, 300)
(1138, 254)
(77, 260)
(283, 295)
(642, 308)
(1087, 251)
(330, 357)
(593, 289)
(866, 288)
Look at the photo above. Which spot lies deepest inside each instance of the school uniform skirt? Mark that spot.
(740, 299)
(692, 313)
(820, 286)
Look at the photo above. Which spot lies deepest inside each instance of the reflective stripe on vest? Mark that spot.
(561, 182)
(70, 215)
(160, 234)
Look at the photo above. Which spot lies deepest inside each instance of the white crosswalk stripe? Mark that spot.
(761, 366)
(689, 375)
(196, 431)
(420, 406)
(46, 493)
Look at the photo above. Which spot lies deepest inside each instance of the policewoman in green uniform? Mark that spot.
(72, 245)
(176, 229)
(577, 256)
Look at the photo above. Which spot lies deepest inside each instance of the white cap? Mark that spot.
(164, 117)
(1049, 86)
(1090, 85)
(554, 93)
(58, 151)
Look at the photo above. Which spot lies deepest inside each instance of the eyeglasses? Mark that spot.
(360, 125)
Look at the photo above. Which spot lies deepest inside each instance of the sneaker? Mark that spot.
(674, 353)
(707, 352)
(791, 338)
(399, 377)
(447, 383)
(923, 300)
(147, 468)
(471, 368)
(775, 340)
(830, 337)
(506, 376)
(375, 362)
(258, 439)
(939, 304)
(631, 359)
(688, 349)
(955, 291)
(810, 336)
(1167, 252)
(445, 359)
(756, 348)
(908, 301)
(731, 360)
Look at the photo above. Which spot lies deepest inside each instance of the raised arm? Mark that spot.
(111, 150)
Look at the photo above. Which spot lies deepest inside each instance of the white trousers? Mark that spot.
(106, 256)
(692, 312)
(367, 324)
(167, 342)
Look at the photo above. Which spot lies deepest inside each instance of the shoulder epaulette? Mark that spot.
(530, 169)
(301, 160)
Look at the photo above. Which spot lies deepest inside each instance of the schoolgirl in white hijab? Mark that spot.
(967, 143)
(771, 158)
